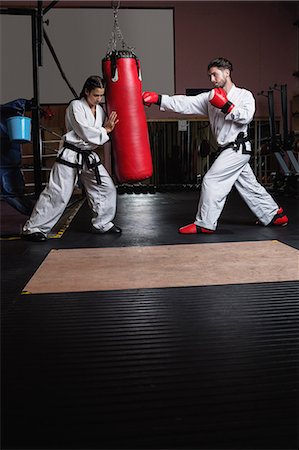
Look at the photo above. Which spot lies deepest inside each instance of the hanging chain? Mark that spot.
(116, 34)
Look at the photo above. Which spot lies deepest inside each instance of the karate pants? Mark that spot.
(55, 197)
(230, 169)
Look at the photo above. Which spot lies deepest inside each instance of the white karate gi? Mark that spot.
(86, 132)
(231, 167)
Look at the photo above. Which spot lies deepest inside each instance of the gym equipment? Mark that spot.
(218, 98)
(151, 97)
(282, 147)
(288, 138)
(274, 143)
(280, 218)
(194, 229)
(12, 182)
(123, 93)
(19, 129)
(130, 141)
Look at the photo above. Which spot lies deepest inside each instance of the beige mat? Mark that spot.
(96, 269)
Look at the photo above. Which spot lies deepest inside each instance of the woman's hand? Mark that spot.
(111, 122)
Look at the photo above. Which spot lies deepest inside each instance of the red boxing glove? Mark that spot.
(218, 98)
(151, 97)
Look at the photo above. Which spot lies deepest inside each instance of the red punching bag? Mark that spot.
(123, 92)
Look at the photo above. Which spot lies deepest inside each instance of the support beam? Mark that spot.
(40, 33)
(36, 134)
(50, 6)
(36, 16)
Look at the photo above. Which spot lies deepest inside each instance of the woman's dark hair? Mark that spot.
(92, 82)
(221, 63)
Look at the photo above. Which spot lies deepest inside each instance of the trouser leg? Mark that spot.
(216, 185)
(52, 201)
(255, 195)
(101, 197)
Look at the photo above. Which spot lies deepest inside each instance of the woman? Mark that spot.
(86, 130)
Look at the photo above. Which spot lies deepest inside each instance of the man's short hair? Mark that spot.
(221, 63)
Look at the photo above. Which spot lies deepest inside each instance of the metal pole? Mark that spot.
(36, 134)
(52, 4)
(284, 111)
(272, 120)
(40, 33)
(274, 146)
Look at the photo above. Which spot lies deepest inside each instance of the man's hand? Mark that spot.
(151, 97)
(111, 122)
(218, 98)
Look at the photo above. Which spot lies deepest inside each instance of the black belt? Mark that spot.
(85, 156)
(235, 145)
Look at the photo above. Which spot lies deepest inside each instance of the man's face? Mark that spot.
(218, 77)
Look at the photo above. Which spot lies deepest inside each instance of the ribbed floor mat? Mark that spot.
(211, 367)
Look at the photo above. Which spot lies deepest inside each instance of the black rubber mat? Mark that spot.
(155, 219)
(212, 367)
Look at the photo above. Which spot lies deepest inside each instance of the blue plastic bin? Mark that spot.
(19, 129)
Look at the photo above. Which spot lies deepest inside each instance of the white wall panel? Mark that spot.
(80, 38)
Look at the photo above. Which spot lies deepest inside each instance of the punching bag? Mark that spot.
(123, 92)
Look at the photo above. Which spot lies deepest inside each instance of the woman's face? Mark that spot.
(94, 96)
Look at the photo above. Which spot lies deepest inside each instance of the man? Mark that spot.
(230, 110)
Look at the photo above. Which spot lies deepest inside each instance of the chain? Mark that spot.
(116, 34)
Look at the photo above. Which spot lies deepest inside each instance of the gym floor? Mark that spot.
(190, 367)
